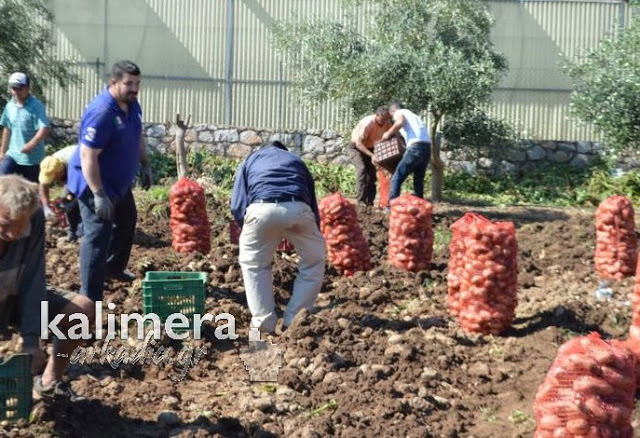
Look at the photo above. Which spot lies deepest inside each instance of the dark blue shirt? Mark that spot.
(272, 173)
(105, 126)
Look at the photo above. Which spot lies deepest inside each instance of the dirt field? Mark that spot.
(380, 356)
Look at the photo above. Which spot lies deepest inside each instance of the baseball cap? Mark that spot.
(18, 78)
(51, 169)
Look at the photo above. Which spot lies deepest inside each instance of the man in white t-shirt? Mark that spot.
(418, 152)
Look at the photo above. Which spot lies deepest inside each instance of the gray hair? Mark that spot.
(18, 196)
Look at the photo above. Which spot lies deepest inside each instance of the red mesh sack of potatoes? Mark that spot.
(384, 188)
(189, 222)
(588, 391)
(410, 233)
(482, 277)
(347, 248)
(633, 344)
(616, 243)
(234, 237)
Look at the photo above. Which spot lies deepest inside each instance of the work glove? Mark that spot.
(146, 178)
(46, 209)
(103, 206)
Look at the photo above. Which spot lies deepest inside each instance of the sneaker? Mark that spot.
(124, 276)
(56, 390)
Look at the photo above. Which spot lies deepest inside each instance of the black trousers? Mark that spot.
(365, 175)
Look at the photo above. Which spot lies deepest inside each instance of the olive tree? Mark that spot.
(606, 84)
(25, 45)
(436, 56)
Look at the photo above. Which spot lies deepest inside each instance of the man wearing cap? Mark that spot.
(54, 169)
(101, 174)
(25, 127)
(274, 197)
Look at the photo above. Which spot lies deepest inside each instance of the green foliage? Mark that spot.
(158, 193)
(25, 45)
(607, 85)
(331, 178)
(435, 56)
(163, 166)
(550, 184)
(221, 170)
(475, 133)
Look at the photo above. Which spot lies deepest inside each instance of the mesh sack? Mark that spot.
(347, 248)
(616, 242)
(482, 276)
(410, 233)
(588, 391)
(190, 226)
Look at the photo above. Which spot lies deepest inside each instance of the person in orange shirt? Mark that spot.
(366, 133)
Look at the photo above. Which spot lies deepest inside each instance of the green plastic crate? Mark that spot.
(165, 293)
(16, 385)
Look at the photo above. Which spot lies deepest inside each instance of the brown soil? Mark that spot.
(380, 356)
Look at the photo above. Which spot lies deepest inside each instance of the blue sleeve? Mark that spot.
(41, 116)
(96, 128)
(239, 196)
(31, 292)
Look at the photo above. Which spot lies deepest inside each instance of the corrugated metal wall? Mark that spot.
(536, 36)
(181, 46)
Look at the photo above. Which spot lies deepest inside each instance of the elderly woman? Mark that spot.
(22, 276)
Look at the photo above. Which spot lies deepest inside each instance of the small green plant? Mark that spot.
(163, 166)
(158, 193)
(330, 405)
(268, 387)
(489, 412)
(518, 417)
(441, 239)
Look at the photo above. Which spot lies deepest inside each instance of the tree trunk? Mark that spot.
(181, 153)
(437, 165)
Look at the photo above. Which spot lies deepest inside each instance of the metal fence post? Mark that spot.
(228, 79)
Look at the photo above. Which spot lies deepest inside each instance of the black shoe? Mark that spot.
(124, 276)
(56, 390)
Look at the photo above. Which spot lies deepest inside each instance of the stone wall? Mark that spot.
(326, 146)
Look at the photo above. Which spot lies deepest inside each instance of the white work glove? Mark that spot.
(47, 211)
(103, 206)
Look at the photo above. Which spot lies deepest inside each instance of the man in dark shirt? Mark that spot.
(23, 288)
(274, 197)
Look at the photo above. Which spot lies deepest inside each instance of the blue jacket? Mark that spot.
(272, 173)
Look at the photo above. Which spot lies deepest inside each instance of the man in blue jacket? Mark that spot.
(101, 174)
(274, 197)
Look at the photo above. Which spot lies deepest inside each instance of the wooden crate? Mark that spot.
(389, 153)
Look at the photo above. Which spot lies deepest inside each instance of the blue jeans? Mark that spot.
(8, 166)
(415, 160)
(106, 245)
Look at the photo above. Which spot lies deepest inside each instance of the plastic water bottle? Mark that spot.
(603, 292)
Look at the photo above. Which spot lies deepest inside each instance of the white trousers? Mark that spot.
(265, 224)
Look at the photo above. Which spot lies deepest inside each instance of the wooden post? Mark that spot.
(181, 153)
